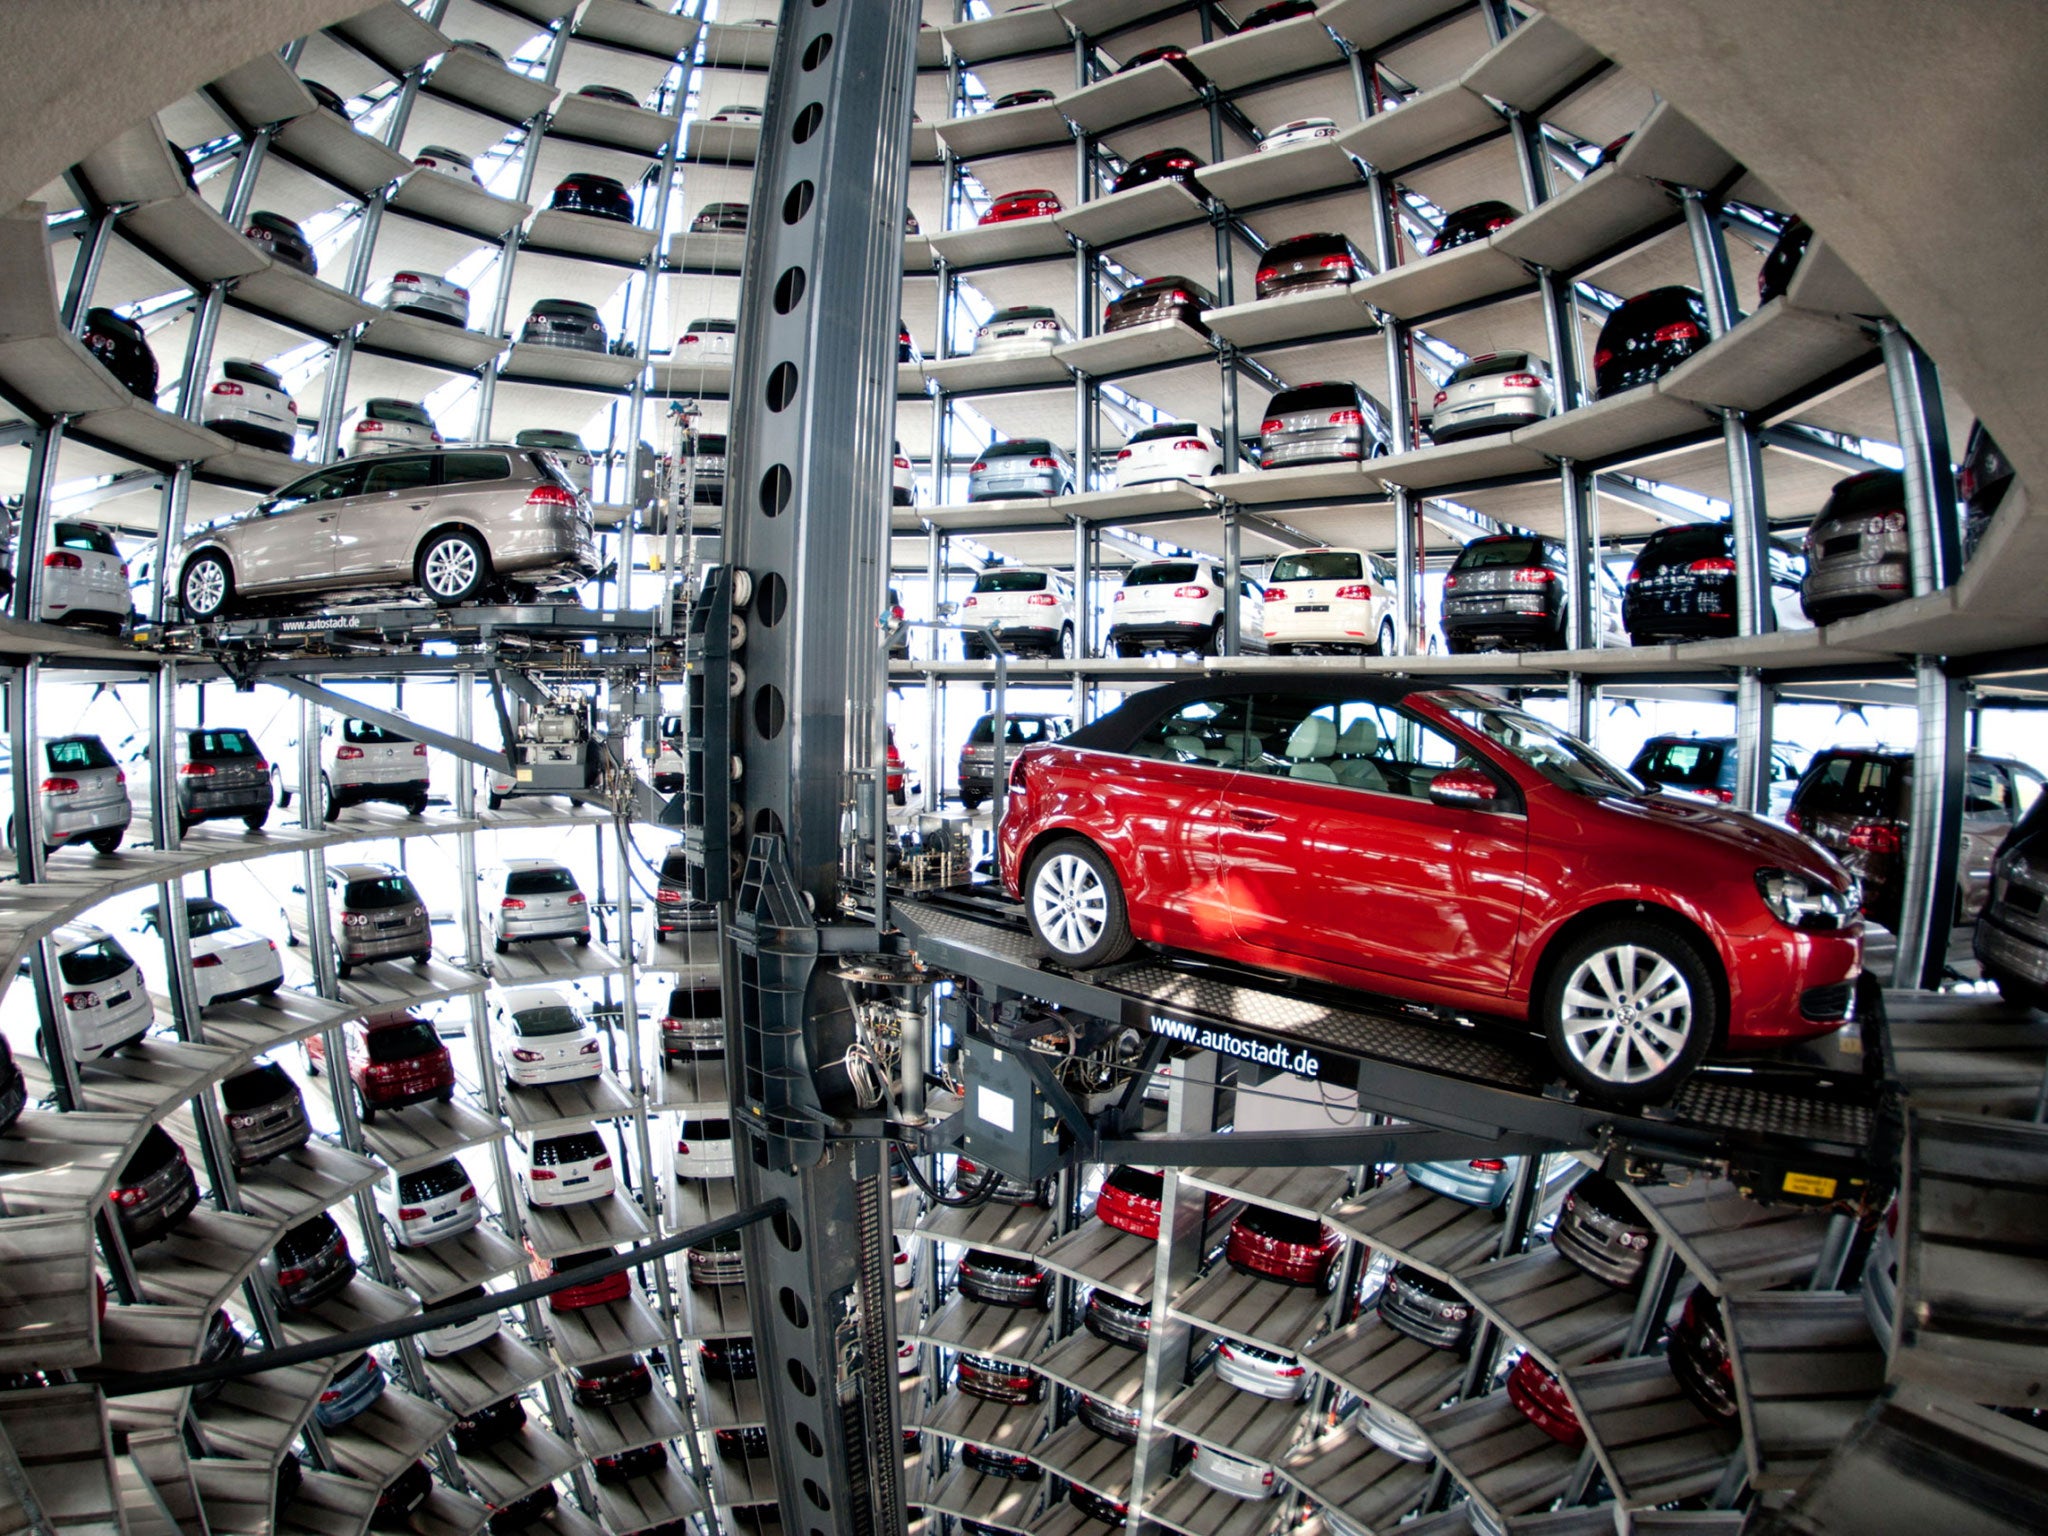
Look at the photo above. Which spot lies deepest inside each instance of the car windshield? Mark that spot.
(386, 891)
(1011, 581)
(101, 960)
(401, 1042)
(210, 919)
(554, 1019)
(77, 752)
(87, 536)
(1560, 757)
(1320, 565)
(223, 744)
(362, 732)
(1854, 785)
(539, 882)
(1490, 554)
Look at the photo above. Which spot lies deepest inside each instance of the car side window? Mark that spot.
(407, 473)
(474, 466)
(1355, 743)
(328, 485)
(2026, 789)
(1202, 733)
(1986, 792)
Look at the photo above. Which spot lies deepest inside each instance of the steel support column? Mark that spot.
(1928, 906)
(1933, 535)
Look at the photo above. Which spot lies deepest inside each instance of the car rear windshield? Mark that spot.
(1018, 448)
(222, 744)
(457, 467)
(88, 536)
(1307, 245)
(543, 437)
(539, 882)
(1682, 546)
(251, 373)
(77, 752)
(1141, 1182)
(577, 1147)
(1021, 312)
(1685, 762)
(1487, 367)
(258, 1086)
(155, 1149)
(401, 1042)
(1018, 730)
(1012, 581)
(549, 1019)
(571, 308)
(1164, 431)
(715, 327)
(308, 1238)
(675, 867)
(1164, 574)
(1854, 785)
(1314, 397)
(1492, 554)
(695, 1002)
(431, 1183)
(384, 891)
(1282, 1225)
(363, 732)
(1320, 565)
(703, 1130)
(710, 442)
(398, 410)
(208, 917)
(101, 960)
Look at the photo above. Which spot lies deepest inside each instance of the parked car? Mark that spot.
(907, 349)
(394, 1059)
(609, 1383)
(1429, 926)
(1169, 450)
(1166, 53)
(223, 1342)
(589, 193)
(359, 1383)
(384, 425)
(1178, 605)
(453, 1338)
(1260, 1371)
(1603, 1232)
(708, 340)
(1493, 393)
(1482, 1181)
(1025, 606)
(265, 1115)
(1426, 1309)
(1699, 1357)
(283, 240)
(738, 112)
(1508, 591)
(1005, 1464)
(106, 1003)
(13, 1088)
(1021, 468)
(523, 1512)
(1310, 264)
(1097, 1507)
(1856, 548)
(1004, 1280)
(1032, 203)
(482, 1428)
(373, 913)
(1162, 297)
(428, 1204)
(447, 162)
(1117, 1319)
(371, 762)
(1395, 1433)
(81, 798)
(717, 1262)
(309, 1265)
(574, 1168)
(727, 1359)
(1174, 164)
(1266, 16)
(1237, 1475)
(1129, 1200)
(997, 1381)
(540, 900)
(85, 580)
(1857, 803)
(1982, 480)
(744, 1444)
(693, 1024)
(1542, 1399)
(155, 1190)
(224, 775)
(566, 323)
(1325, 423)
(902, 483)
(1330, 600)
(2011, 936)
(675, 911)
(1647, 337)
(1279, 1245)
(993, 1184)
(1301, 130)
(250, 404)
(1782, 260)
(978, 754)
(624, 1466)
(120, 344)
(1705, 765)
(708, 467)
(1026, 98)
(569, 450)
(1683, 585)
(704, 1147)
(720, 219)
(479, 517)
(1109, 1418)
(615, 1286)
(1022, 330)
(403, 1496)
(427, 297)
(1473, 222)
(611, 94)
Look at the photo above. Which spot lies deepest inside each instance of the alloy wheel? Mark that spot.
(451, 568)
(1070, 902)
(1627, 1013)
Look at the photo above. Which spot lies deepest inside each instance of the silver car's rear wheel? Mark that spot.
(453, 567)
(207, 586)
(1629, 1010)
(1076, 905)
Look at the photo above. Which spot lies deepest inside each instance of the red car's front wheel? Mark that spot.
(1076, 905)
(1629, 1011)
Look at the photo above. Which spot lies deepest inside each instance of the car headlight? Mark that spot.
(1799, 902)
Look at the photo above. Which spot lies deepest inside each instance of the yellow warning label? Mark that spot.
(1811, 1185)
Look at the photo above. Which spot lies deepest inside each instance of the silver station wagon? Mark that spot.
(457, 523)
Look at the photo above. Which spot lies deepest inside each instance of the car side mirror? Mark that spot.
(1462, 786)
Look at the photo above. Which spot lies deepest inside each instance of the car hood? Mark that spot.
(1768, 842)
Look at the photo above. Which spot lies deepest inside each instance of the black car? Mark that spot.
(1161, 165)
(223, 1342)
(224, 775)
(727, 1359)
(1648, 337)
(566, 323)
(1108, 1418)
(610, 1382)
(599, 196)
(522, 1512)
(265, 1115)
(1166, 54)
(997, 1381)
(1775, 276)
(610, 93)
(1475, 221)
(1003, 1280)
(720, 219)
(486, 1426)
(1507, 590)
(1682, 585)
(1309, 263)
(118, 342)
(1603, 1232)
(1096, 1507)
(1030, 98)
(1427, 1309)
(641, 1461)
(13, 1087)
(994, 1463)
(1117, 1320)
(1699, 1357)
(404, 1495)
(1278, 10)
(1981, 483)
(674, 910)
(310, 1263)
(739, 1444)
(284, 240)
(326, 98)
(1160, 298)
(156, 1190)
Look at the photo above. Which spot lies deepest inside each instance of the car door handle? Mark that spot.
(1253, 821)
(418, 506)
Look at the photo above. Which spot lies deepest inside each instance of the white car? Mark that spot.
(1330, 600)
(737, 113)
(384, 425)
(703, 1148)
(106, 1003)
(1262, 1372)
(228, 960)
(82, 796)
(540, 900)
(1171, 450)
(1177, 605)
(541, 1039)
(1303, 130)
(1494, 393)
(576, 459)
(85, 580)
(1394, 1432)
(448, 162)
(442, 1342)
(906, 1358)
(904, 1264)
(372, 763)
(428, 1204)
(707, 340)
(903, 488)
(427, 296)
(1023, 330)
(1028, 607)
(1233, 1474)
(570, 1169)
(248, 403)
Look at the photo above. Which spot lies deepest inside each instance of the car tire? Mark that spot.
(445, 1096)
(2022, 994)
(206, 587)
(453, 567)
(417, 805)
(330, 808)
(278, 792)
(1212, 643)
(255, 819)
(342, 969)
(1066, 646)
(1126, 648)
(1279, 648)
(365, 1110)
(1384, 644)
(1643, 967)
(501, 946)
(1076, 904)
(971, 801)
(496, 801)
(423, 957)
(972, 649)
(106, 842)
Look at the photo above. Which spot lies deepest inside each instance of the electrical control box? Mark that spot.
(1010, 1126)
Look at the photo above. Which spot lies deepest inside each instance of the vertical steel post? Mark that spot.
(1928, 911)
(28, 528)
(1710, 256)
(1933, 533)
(1755, 701)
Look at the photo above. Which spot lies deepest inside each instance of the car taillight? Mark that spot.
(1276, 594)
(1521, 381)
(1489, 1165)
(62, 560)
(1715, 565)
(81, 999)
(407, 277)
(1602, 357)
(411, 1212)
(205, 962)
(522, 1054)
(227, 387)
(197, 770)
(1045, 463)
(1291, 1371)
(542, 1173)
(354, 920)
(900, 462)
(551, 496)
(1678, 330)
(601, 1164)
(665, 893)
(419, 749)
(1045, 325)
(1535, 576)
(970, 602)
(368, 426)
(60, 786)
(589, 1048)
(130, 1194)
(291, 1276)
(1874, 837)
(1271, 425)
(578, 899)
(1043, 600)
(1336, 263)
(1441, 397)
(1191, 445)
(688, 341)
(1360, 592)
(1347, 419)
(978, 466)
(1267, 274)
(1187, 592)
(511, 904)
(348, 754)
